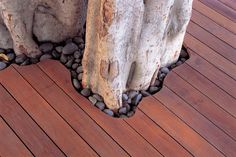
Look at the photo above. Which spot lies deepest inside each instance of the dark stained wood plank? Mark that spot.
(26, 129)
(212, 73)
(214, 28)
(58, 130)
(156, 136)
(120, 131)
(229, 3)
(208, 88)
(222, 9)
(75, 116)
(202, 104)
(215, 16)
(10, 145)
(210, 55)
(210, 40)
(185, 135)
(196, 121)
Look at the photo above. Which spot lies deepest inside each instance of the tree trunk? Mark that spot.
(128, 41)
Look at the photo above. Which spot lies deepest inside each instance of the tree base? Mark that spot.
(70, 54)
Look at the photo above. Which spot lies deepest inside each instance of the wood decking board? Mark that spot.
(27, 130)
(194, 114)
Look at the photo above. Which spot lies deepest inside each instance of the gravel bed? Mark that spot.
(70, 54)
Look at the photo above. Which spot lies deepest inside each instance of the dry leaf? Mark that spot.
(4, 57)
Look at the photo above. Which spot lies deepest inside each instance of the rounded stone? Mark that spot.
(165, 70)
(75, 66)
(26, 62)
(34, 60)
(77, 60)
(145, 93)
(45, 57)
(125, 97)
(78, 40)
(183, 54)
(80, 76)
(77, 54)
(69, 48)
(20, 58)
(179, 63)
(92, 100)
(137, 99)
(2, 65)
(183, 59)
(76, 84)
(153, 90)
(63, 59)
(130, 114)
(161, 76)
(55, 54)
(86, 92)
(11, 57)
(98, 97)
(73, 74)
(123, 110)
(157, 83)
(79, 69)
(132, 94)
(109, 112)
(59, 49)
(100, 105)
(46, 47)
(69, 63)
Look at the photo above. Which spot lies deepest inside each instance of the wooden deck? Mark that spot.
(193, 115)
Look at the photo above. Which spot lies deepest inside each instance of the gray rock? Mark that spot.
(109, 112)
(153, 90)
(179, 63)
(100, 105)
(125, 97)
(129, 101)
(75, 66)
(55, 54)
(161, 76)
(165, 70)
(20, 58)
(63, 59)
(77, 60)
(59, 49)
(157, 83)
(69, 48)
(78, 40)
(79, 69)
(45, 57)
(98, 97)
(183, 59)
(132, 94)
(34, 60)
(123, 110)
(137, 99)
(80, 76)
(130, 114)
(76, 84)
(77, 54)
(69, 63)
(183, 54)
(2, 65)
(123, 116)
(86, 92)
(11, 57)
(26, 62)
(92, 100)
(46, 47)
(145, 93)
(73, 74)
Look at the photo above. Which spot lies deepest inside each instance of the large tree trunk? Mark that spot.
(128, 41)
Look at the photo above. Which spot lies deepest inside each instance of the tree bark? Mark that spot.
(128, 41)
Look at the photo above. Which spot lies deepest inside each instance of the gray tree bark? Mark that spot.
(127, 41)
